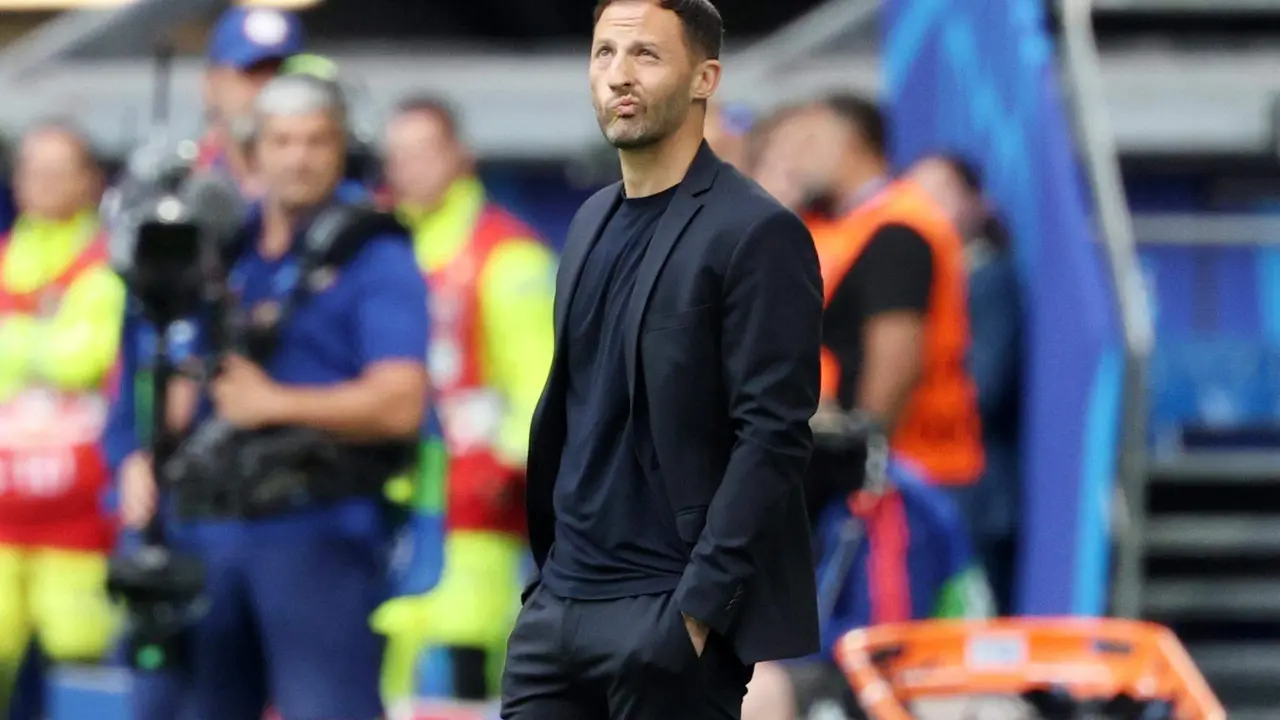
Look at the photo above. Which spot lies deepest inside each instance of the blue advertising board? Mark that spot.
(977, 77)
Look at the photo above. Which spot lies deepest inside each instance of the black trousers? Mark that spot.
(625, 659)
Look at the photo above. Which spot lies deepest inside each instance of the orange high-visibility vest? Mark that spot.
(52, 470)
(939, 429)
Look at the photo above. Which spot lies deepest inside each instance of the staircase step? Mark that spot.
(1217, 534)
(1230, 468)
(1252, 713)
(1228, 598)
(1238, 660)
(1242, 674)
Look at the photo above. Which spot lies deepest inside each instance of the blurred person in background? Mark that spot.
(893, 271)
(995, 320)
(726, 132)
(61, 308)
(246, 49)
(492, 284)
(290, 592)
(768, 158)
(896, 327)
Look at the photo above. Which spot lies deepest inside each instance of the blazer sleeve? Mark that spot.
(771, 335)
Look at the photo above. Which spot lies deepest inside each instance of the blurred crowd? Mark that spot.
(923, 336)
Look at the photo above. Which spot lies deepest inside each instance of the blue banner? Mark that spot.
(977, 77)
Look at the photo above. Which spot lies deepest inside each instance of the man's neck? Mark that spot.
(278, 224)
(650, 170)
(861, 181)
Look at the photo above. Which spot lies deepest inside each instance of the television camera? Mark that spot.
(168, 228)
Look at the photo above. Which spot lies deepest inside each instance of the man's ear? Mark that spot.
(706, 80)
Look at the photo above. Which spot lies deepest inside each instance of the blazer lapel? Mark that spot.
(582, 236)
(684, 206)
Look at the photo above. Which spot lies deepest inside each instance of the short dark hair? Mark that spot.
(863, 116)
(433, 105)
(703, 26)
(966, 171)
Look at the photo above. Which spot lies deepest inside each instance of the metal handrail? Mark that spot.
(1084, 73)
(798, 39)
(71, 31)
(1206, 229)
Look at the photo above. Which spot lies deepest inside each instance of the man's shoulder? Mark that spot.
(743, 202)
(388, 252)
(741, 213)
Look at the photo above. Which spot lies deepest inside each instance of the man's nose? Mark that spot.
(620, 77)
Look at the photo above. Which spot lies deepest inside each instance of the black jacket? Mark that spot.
(722, 358)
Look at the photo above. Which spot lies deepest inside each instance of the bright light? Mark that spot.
(48, 5)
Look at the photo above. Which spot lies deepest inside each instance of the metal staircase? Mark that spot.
(1210, 549)
(1201, 551)
(1212, 569)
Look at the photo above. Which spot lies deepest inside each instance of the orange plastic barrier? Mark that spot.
(894, 667)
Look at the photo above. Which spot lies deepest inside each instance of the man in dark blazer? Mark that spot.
(666, 515)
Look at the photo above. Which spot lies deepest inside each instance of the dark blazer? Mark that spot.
(722, 361)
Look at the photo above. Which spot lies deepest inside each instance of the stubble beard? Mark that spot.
(653, 125)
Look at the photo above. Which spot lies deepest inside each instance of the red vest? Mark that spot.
(52, 471)
(484, 493)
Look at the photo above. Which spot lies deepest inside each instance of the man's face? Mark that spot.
(803, 156)
(423, 158)
(300, 158)
(822, 146)
(230, 92)
(53, 179)
(941, 182)
(642, 74)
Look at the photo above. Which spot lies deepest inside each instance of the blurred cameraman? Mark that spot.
(289, 591)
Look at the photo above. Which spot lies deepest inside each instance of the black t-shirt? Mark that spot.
(614, 534)
(894, 273)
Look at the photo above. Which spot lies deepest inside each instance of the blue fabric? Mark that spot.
(28, 700)
(995, 361)
(8, 211)
(244, 37)
(289, 602)
(375, 311)
(977, 77)
(938, 550)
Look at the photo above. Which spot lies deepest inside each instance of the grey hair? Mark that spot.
(300, 95)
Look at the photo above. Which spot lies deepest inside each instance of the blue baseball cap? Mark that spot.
(737, 117)
(244, 37)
